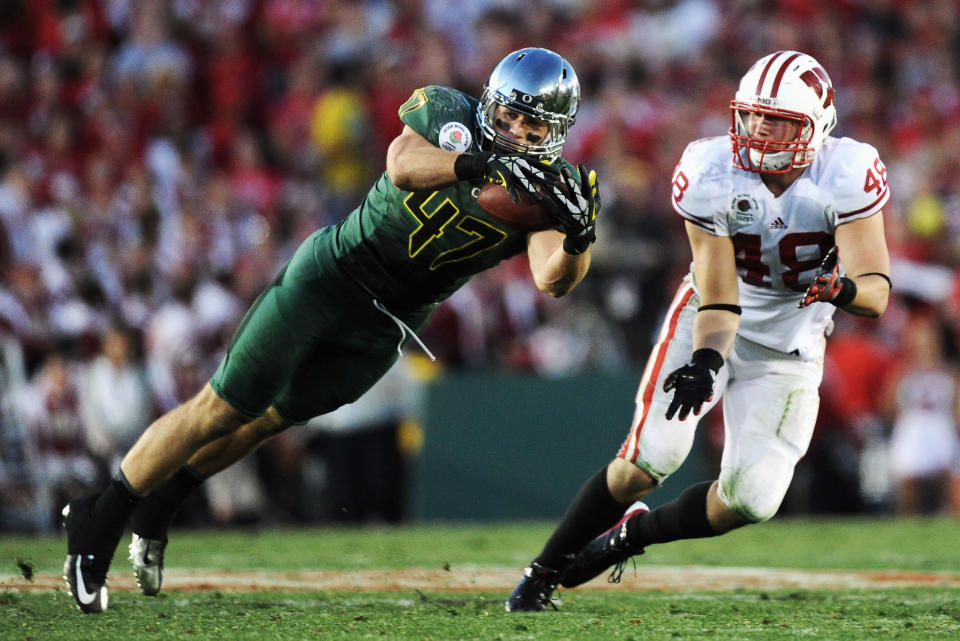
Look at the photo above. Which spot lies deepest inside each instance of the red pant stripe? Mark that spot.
(651, 373)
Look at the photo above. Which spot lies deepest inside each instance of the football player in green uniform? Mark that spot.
(334, 319)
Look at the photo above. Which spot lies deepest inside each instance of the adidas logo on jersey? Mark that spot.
(778, 224)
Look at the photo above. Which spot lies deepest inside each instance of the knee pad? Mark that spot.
(661, 458)
(756, 492)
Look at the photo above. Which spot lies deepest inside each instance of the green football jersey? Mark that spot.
(414, 249)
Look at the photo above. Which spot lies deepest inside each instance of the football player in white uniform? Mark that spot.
(783, 233)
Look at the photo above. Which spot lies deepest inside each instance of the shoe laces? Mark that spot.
(618, 569)
(545, 581)
(620, 543)
(546, 599)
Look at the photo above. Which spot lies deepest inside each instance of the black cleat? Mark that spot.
(534, 592)
(88, 557)
(609, 549)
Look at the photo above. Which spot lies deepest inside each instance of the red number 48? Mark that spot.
(876, 181)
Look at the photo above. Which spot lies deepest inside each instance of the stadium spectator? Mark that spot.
(115, 397)
(922, 406)
(56, 441)
(359, 449)
(171, 337)
(16, 486)
(236, 495)
(150, 57)
(839, 474)
(341, 133)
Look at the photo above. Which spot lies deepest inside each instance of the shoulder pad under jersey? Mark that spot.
(856, 177)
(444, 116)
(699, 183)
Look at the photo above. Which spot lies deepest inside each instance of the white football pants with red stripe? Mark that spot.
(770, 403)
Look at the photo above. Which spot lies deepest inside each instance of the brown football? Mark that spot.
(524, 215)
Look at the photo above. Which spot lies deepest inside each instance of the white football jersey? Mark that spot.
(780, 241)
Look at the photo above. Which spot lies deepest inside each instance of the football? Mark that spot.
(523, 215)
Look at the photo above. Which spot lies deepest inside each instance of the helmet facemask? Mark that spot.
(770, 155)
(549, 148)
(537, 83)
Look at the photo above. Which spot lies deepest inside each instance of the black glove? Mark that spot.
(828, 286)
(517, 174)
(575, 206)
(693, 383)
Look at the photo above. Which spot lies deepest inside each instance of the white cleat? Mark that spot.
(146, 555)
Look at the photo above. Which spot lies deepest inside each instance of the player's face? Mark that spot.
(767, 127)
(520, 127)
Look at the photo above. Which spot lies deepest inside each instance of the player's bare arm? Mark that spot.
(414, 163)
(715, 271)
(714, 327)
(863, 252)
(555, 271)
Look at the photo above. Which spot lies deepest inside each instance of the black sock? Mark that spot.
(153, 515)
(592, 511)
(112, 508)
(683, 518)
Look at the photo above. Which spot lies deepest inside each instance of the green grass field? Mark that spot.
(925, 551)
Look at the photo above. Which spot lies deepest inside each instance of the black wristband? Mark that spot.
(709, 357)
(848, 291)
(469, 166)
(576, 245)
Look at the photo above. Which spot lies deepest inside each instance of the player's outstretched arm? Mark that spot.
(559, 261)
(555, 272)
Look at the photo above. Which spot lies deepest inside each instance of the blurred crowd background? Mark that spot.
(159, 161)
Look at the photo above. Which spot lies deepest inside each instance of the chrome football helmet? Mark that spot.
(789, 85)
(538, 83)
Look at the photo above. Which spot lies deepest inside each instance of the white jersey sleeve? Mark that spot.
(779, 241)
